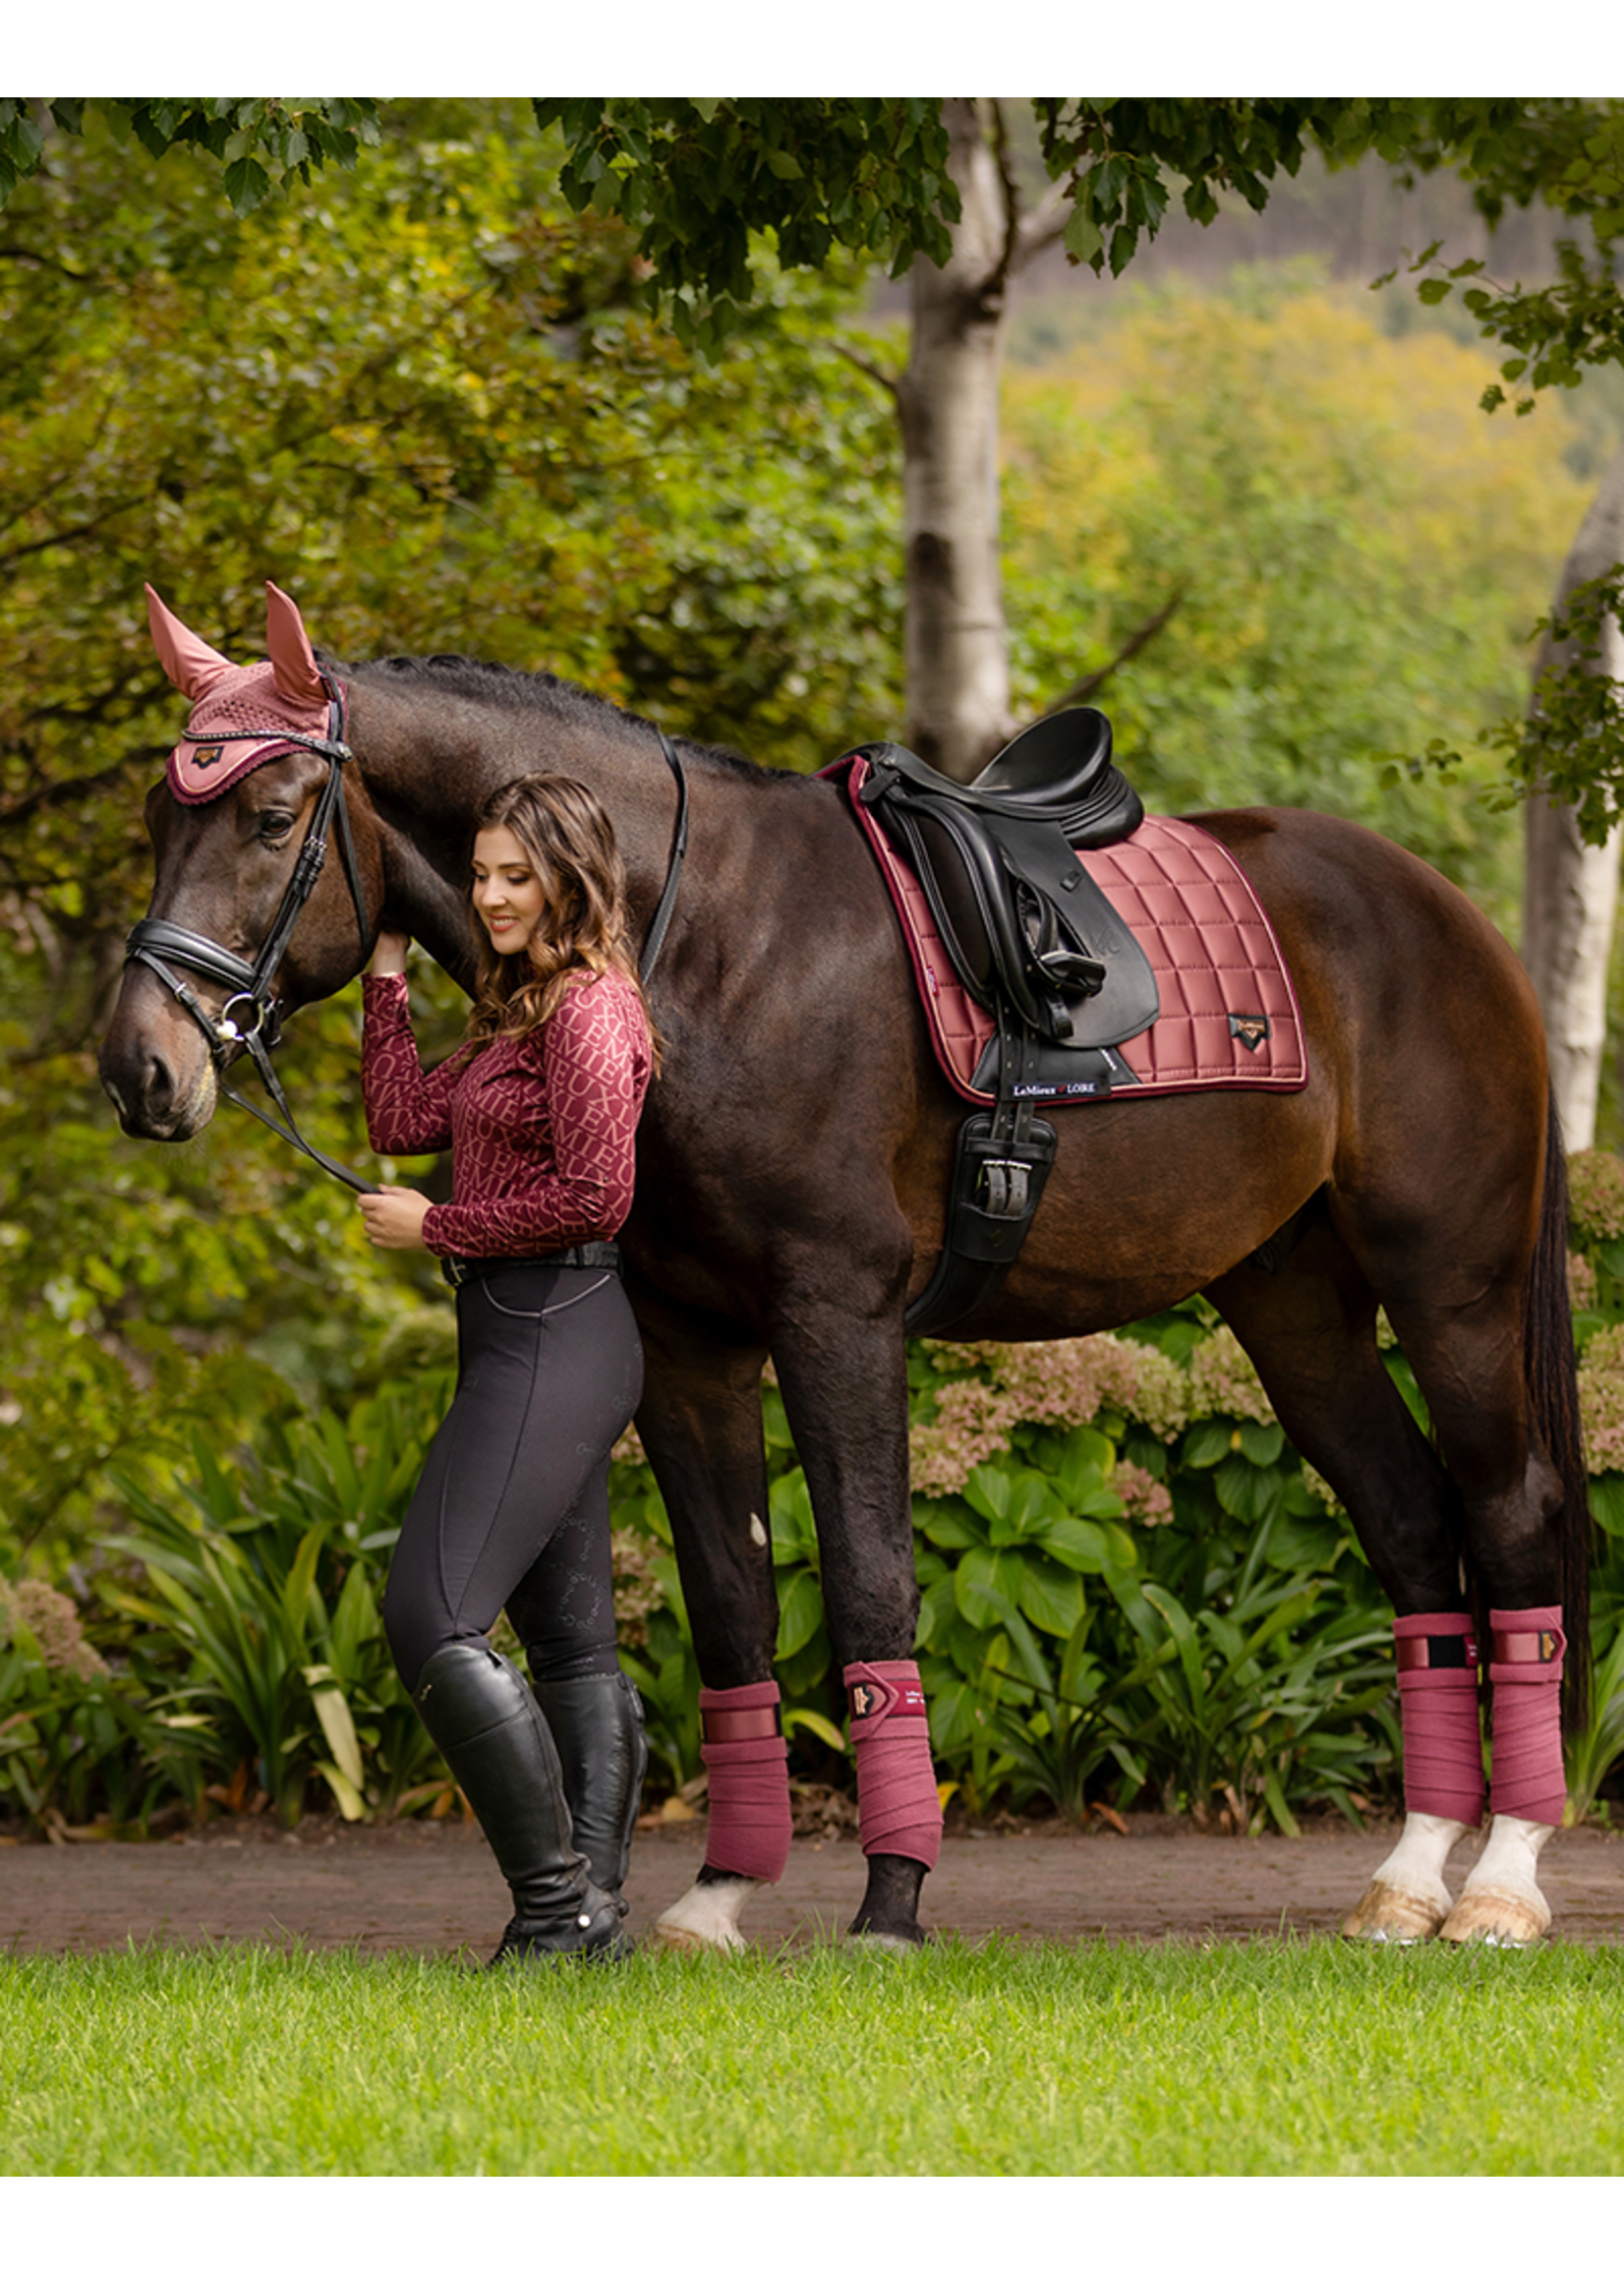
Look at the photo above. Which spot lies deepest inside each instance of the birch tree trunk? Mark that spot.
(955, 639)
(1570, 889)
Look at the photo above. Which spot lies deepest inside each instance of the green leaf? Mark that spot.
(945, 1525)
(1081, 1476)
(337, 1724)
(247, 185)
(804, 1718)
(351, 1806)
(978, 1591)
(1607, 1498)
(1207, 1443)
(1082, 235)
(801, 1613)
(1249, 1493)
(989, 1490)
(952, 1710)
(1052, 1599)
(1081, 1545)
(793, 1524)
(1030, 1511)
(1262, 1443)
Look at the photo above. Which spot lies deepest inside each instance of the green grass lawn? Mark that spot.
(1277, 2057)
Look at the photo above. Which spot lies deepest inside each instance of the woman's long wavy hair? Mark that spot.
(569, 841)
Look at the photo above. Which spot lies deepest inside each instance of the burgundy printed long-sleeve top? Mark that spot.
(542, 1127)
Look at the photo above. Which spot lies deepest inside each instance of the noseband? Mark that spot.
(251, 1017)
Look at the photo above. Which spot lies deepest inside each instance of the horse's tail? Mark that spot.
(1552, 1375)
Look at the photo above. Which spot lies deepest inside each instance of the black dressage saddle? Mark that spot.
(1020, 918)
(1035, 943)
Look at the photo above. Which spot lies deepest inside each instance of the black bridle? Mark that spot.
(251, 1017)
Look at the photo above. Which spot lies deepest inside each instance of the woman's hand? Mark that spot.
(394, 1218)
(388, 957)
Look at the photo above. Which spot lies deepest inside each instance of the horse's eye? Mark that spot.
(274, 828)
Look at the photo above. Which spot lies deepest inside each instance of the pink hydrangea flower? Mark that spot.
(1596, 1195)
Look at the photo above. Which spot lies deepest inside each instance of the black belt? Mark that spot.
(593, 1256)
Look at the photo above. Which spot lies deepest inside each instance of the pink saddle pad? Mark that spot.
(1229, 1017)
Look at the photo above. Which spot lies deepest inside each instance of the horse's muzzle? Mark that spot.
(154, 1096)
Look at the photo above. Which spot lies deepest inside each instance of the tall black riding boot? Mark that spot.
(478, 1711)
(597, 1724)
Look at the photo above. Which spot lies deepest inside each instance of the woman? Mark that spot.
(540, 1108)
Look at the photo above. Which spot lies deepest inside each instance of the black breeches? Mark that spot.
(512, 1506)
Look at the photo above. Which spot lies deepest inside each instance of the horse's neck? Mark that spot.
(430, 766)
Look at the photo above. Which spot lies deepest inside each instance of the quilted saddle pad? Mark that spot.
(1229, 1018)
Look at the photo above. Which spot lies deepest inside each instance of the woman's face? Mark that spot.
(507, 893)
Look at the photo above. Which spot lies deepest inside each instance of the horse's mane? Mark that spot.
(470, 680)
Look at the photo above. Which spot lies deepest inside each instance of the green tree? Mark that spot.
(428, 396)
(424, 398)
(1341, 554)
(932, 189)
(701, 180)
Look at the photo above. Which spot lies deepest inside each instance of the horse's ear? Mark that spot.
(291, 654)
(189, 663)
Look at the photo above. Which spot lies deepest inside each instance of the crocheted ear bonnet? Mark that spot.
(242, 716)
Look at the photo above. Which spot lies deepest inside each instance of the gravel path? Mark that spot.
(422, 1887)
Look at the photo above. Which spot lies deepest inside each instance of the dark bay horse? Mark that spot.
(794, 1159)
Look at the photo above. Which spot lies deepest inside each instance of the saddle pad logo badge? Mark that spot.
(1250, 1027)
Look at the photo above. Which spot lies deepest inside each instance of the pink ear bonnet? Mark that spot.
(242, 716)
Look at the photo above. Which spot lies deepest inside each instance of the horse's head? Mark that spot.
(246, 921)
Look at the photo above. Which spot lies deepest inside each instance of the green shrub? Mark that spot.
(266, 1579)
(1132, 1588)
(78, 1745)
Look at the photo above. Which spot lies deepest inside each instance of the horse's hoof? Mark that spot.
(1498, 1919)
(1394, 1914)
(880, 1932)
(661, 1937)
(706, 1918)
(897, 1942)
